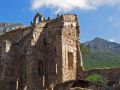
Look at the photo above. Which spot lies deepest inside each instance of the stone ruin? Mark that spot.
(46, 56)
(42, 56)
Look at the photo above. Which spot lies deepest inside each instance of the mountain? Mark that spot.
(103, 54)
(5, 27)
(101, 45)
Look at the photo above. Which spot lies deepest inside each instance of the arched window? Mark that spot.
(38, 18)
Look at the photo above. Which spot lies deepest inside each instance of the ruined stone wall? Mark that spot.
(36, 57)
(41, 43)
(109, 74)
(47, 45)
(70, 40)
(11, 66)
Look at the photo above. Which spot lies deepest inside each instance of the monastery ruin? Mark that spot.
(42, 56)
(46, 56)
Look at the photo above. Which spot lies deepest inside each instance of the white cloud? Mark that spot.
(61, 5)
(113, 40)
(68, 5)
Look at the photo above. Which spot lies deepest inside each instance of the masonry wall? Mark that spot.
(70, 40)
(36, 57)
(25, 49)
(47, 45)
(111, 75)
(12, 65)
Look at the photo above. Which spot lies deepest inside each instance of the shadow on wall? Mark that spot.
(31, 61)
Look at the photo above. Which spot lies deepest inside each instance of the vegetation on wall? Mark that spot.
(96, 78)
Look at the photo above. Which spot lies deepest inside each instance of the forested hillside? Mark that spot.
(100, 53)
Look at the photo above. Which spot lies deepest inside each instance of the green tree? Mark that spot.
(85, 50)
(96, 78)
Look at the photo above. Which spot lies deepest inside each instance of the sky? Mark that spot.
(97, 18)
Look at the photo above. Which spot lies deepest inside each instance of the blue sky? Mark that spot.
(97, 18)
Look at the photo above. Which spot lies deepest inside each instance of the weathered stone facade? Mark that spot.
(41, 56)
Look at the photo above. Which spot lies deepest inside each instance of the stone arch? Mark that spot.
(38, 18)
(110, 75)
